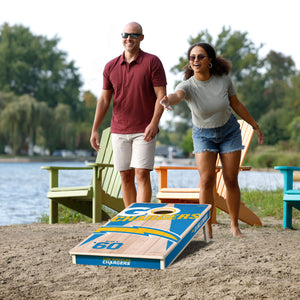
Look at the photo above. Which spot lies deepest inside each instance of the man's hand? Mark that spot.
(94, 140)
(150, 133)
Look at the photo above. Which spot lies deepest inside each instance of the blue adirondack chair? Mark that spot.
(291, 196)
(89, 200)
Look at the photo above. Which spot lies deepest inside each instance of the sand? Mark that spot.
(35, 264)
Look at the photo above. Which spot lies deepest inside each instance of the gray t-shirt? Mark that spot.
(208, 100)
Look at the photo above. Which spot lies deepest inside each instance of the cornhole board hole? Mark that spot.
(144, 235)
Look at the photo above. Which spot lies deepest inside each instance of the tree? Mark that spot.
(294, 128)
(63, 130)
(34, 65)
(187, 142)
(19, 121)
(278, 66)
(250, 92)
(291, 100)
(40, 98)
(241, 51)
(274, 126)
(279, 69)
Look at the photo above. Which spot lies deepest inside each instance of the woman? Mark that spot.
(210, 95)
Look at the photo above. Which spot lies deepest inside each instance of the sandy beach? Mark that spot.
(35, 264)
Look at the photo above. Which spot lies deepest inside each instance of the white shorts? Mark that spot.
(132, 151)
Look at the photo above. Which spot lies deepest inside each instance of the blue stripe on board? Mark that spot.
(112, 261)
(183, 243)
(180, 227)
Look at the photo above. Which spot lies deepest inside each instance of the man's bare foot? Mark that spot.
(236, 232)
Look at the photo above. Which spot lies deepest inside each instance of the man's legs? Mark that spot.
(133, 156)
(143, 161)
(144, 192)
(128, 187)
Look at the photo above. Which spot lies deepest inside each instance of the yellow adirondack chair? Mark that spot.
(191, 195)
(89, 200)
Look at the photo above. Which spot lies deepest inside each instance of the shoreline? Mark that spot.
(158, 161)
(20, 159)
(175, 161)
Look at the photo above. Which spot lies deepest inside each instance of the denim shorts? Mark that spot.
(224, 139)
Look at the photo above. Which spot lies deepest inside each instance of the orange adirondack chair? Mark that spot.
(191, 195)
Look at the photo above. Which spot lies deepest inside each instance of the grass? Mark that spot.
(264, 203)
(270, 156)
(66, 215)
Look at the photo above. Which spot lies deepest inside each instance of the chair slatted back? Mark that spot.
(247, 134)
(111, 179)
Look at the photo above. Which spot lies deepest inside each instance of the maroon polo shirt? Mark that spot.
(134, 96)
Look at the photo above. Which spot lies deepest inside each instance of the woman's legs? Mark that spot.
(230, 164)
(206, 163)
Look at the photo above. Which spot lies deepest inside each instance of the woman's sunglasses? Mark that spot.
(199, 57)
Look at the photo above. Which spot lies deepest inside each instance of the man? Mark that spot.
(137, 82)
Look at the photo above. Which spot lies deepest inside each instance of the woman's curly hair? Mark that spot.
(220, 65)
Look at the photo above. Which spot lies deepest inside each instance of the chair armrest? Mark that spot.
(175, 168)
(287, 172)
(245, 168)
(287, 168)
(53, 170)
(50, 168)
(100, 165)
(163, 173)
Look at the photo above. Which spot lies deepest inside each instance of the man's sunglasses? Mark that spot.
(132, 35)
(199, 57)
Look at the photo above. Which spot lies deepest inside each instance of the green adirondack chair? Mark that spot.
(89, 200)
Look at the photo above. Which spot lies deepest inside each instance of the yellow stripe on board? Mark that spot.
(140, 231)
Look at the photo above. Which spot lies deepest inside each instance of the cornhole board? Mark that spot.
(144, 235)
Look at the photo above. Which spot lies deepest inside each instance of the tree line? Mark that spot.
(41, 100)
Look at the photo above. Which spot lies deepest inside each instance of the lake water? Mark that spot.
(24, 186)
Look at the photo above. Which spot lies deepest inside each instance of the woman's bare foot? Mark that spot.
(236, 232)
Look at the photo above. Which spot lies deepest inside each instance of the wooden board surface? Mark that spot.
(147, 235)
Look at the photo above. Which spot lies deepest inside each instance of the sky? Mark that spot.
(90, 30)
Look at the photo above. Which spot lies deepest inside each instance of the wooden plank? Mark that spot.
(72, 188)
(68, 194)
(180, 190)
(182, 195)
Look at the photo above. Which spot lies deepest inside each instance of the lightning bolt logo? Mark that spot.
(141, 231)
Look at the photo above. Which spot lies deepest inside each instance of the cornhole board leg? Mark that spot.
(144, 235)
(205, 233)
